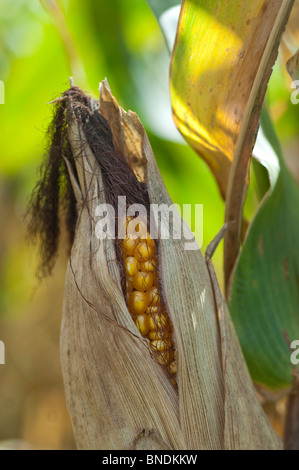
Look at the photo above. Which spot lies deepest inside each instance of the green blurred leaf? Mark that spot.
(265, 290)
(262, 182)
(167, 13)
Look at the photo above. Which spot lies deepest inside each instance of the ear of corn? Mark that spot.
(144, 297)
(119, 386)
(112, 383)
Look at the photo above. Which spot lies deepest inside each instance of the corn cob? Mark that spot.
(143, 293)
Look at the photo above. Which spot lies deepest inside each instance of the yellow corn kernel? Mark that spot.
(158, 322)
(150, 241)
(149, 266)
(142, 324)
(160, 344)
(165, 357)
(139, 302)
(172, 368)
(143, 294)
(152, 311)
(154, 296)
(129, 284)
(158, 335)
(137, 227)
(144, 252)
(131, 266)
(143, 281)
(129, 245)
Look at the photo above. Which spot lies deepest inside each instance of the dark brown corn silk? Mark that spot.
(137, 254)
(53, 195)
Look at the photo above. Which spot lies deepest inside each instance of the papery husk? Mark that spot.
(117, 395)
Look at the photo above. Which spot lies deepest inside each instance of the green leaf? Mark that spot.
(265, 290)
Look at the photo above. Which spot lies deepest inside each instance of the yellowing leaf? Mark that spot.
(218, 50)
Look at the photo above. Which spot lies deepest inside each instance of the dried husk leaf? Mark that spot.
(118, 396)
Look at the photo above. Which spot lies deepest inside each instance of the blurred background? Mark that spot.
(42, 43)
